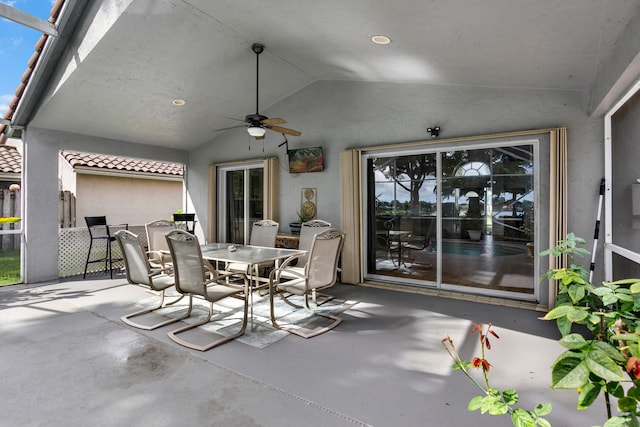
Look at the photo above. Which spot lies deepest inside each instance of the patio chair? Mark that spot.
(263, 233)
(139, 272)
(308, 231)
(196, 277)
(319, 273)
(99, 231)
(158, 248)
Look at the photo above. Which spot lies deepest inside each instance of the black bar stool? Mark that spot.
(188, 220)
(99, 231)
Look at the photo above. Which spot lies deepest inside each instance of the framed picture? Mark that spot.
(306, 160)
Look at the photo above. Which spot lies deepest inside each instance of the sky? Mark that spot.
(16, 46)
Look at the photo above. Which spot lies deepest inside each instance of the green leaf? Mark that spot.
(564, 325)
(616, 390)
(559, 311)
(542, 409)
(510, 396)
(616, 422)
(569, 372)
(498, 408)
(623, 282)
(576, 292)
(522, 418)
(634, 392)
(573, 341)
(543, 423)
(577, 315)
(603, 366)
(610, 350)
(609, 299)
(602, 291)
(635, 288)
(475, 403)
(627, 404)
(588, 395)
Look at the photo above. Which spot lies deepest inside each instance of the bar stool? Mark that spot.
(99, 231)
(188, 220)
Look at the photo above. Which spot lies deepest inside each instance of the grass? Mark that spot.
(9, 267)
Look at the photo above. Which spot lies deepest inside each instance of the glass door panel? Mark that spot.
(235, 226)
(403, 207)
(242, 202)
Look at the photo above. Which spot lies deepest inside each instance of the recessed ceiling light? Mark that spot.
(179, 102)
(380, 39)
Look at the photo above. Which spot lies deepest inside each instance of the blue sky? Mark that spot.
(16, 46)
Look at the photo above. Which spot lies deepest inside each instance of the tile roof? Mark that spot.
(31, 65)
(122, 164)
(10, 159)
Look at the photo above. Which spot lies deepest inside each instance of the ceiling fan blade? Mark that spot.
(259, 137)
(284, 130)
(233, 118)
(274, 121)
(231, 127)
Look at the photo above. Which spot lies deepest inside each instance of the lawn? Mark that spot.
(9, 267)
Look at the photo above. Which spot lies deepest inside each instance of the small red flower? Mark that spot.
(633, 367)
(481, 363)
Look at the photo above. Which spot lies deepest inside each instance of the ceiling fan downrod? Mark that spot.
(257, 48)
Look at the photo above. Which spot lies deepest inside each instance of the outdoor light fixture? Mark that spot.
(256, 131)
(434, 131)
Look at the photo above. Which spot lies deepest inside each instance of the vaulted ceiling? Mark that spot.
(126, 61)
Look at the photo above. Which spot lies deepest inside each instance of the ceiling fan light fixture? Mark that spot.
(256, 131)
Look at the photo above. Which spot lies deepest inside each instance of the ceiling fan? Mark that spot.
(257, 124)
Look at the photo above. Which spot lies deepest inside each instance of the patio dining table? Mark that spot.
(247, 254)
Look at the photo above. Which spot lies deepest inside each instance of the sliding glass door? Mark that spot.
(241, 201)
(456, 217)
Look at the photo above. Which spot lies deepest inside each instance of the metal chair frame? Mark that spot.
(320, 272)
(139, 272)
(196, 277)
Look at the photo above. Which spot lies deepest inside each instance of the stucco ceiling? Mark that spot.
(137, 56)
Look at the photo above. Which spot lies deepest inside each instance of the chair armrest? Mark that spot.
(288, 261)
(277, 271)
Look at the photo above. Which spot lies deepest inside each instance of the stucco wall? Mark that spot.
(134, 201)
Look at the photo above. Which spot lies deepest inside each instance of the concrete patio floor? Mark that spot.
(68, 360)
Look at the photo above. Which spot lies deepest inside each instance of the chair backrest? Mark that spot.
(136, 265)
(97, 226)
(324, 255)
(186, 219)
(307, 232)
(188, 268)
(156, 231)
(264, 233)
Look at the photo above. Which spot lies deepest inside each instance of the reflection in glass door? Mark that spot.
(460, 218)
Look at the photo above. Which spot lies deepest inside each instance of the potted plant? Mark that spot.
(295, 226)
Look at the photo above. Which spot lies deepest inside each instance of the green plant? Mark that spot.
(603, 353)
(494, 401)
(179, 211)
(302, 217)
